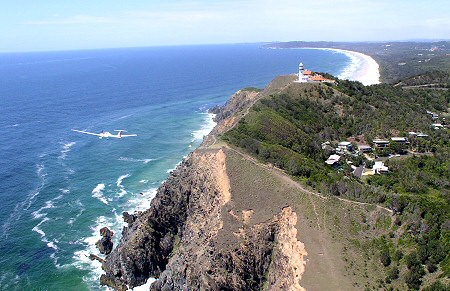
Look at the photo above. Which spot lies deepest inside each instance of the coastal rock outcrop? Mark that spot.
(105, 244)
(191, 237)
(185, 242)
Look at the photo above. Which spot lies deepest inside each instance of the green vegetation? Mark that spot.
(252, 89)
(289, 128)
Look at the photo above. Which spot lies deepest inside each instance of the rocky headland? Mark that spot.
(224, 221)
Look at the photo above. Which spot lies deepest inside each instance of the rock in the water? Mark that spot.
(105, 244)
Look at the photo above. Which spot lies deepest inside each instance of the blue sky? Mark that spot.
(35, 25)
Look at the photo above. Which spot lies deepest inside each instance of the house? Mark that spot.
(320, 78)
(400, 140)
(381, 143)
(345, 146)
(433, 115)
(418, 134)
(380, 168)
(364, 148)
(333, 160)
(437, 125)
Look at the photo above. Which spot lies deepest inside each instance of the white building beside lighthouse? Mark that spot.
(301, 77)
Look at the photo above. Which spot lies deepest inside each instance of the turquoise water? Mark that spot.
(59, 187)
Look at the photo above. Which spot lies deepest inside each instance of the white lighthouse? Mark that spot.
(301, 77)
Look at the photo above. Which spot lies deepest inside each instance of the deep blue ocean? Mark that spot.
(59, 187)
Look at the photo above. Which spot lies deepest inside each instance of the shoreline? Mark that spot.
(363, 68)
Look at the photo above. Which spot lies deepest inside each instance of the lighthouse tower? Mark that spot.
(301, 78)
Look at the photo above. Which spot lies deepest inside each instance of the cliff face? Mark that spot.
(183, 238)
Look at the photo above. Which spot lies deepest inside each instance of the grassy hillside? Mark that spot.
(288, 130)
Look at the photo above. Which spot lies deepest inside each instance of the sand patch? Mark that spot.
(290, 253)
(222, 178)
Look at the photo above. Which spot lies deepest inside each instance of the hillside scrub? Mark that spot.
(288, 129)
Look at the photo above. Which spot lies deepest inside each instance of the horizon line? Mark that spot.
(420, 40)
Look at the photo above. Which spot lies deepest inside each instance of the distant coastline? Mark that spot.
(363, 68)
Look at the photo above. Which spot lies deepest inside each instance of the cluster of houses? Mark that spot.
(345, 148)
(435, 116)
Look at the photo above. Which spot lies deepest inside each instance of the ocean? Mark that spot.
(59, 187)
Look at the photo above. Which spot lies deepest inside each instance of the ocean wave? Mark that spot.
(145, 161)
(64, 191)
(144, 287)
(66, 148)
(38, 230)
(143, 181)
(50, 244)
(121, 187)
(172, 169)
(120, 180)
(141, 202)
(13, 125)
(48, 205)
(353, 69)
(206, 128)
(24, 205)
(123, 117)
(81, 257)
(98, 193)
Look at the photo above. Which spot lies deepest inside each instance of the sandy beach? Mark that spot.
(363, 68)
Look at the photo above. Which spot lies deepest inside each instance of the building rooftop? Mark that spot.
(333, 159)
(399, 139)
(380, 141)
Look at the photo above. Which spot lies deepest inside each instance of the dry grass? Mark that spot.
(336, 234)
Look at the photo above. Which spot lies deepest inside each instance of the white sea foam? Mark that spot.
(48, 205)
(144, 287)
(206, 128)
(52, 245)
(120, 179)
(172, 169)
(141, 202)
(145, 161)
(121, 187)
(66, 149)
(82, 260)
(144, 181)
(38, 230)
(98, 193)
